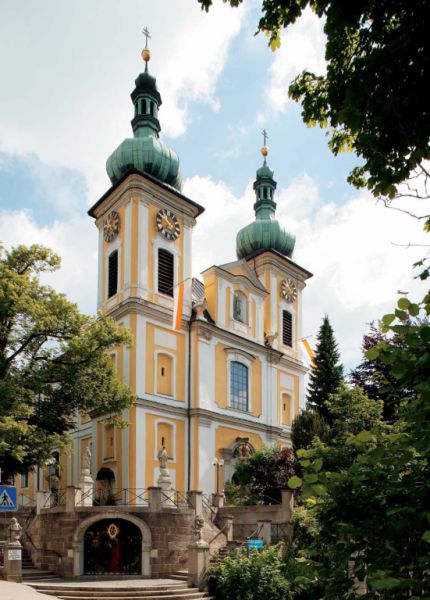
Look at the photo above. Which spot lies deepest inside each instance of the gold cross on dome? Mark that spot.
(147, 35)
(265, 136)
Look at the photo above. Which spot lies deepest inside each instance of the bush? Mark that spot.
(254, 576)
(266, 472)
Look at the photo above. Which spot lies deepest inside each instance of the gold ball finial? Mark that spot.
(146, 54)
(264, 151)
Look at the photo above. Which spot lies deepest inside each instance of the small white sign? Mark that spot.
(14, 554)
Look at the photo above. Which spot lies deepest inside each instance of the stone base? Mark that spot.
(12, 557)
(198, 564)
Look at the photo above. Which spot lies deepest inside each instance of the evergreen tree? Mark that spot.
(327, 373)
(307, 425)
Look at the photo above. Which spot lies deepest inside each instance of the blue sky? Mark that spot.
(65, 106)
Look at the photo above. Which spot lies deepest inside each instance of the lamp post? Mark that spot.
(218, 464)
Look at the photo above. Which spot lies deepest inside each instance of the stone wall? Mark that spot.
(245, 518)
(54, 544)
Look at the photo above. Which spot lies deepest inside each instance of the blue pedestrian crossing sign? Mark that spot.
(7, 498)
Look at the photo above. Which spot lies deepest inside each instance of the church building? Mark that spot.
(216, 363)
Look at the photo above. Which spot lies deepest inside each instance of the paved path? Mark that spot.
(19, 591)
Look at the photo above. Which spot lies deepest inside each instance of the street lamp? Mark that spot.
(218, 464)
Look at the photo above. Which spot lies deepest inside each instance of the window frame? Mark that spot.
(243, 298)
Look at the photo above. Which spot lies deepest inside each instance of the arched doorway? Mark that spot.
(97, 523)
(113, 547)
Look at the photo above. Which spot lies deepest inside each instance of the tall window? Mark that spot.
(113, 274)
(287, 328)
(238, 386)
(165, 272)
(239, 307)
(24, 479)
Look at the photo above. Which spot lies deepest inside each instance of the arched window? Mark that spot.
(287, 328)
(239, 307)
(238, 386)
(143, 106)
(164, 375)
(113, 273)
(165, 272)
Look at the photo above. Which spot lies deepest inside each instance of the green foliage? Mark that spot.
(326, 374)
(265, 472)
(374, 514)
(53, 362)
(306, 426)
(374, 376)
(257, 575)
(378, 60)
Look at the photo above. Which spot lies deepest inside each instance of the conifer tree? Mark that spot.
(327, 373)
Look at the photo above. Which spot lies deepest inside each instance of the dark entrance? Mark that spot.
(113, 547)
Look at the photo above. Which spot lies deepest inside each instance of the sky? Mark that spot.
(66, 73)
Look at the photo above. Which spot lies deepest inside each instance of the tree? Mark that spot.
(266, 472)
(373, 513)
(53, 362)
(374, 376)
(372, 96)
(326, 374)
(306, 426)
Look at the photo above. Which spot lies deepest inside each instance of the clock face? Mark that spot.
(289, 290)
(167, 224)
(111, 226)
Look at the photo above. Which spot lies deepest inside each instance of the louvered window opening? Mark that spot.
(238, 386)
(165, 272)
(287, 328)
(113, 274)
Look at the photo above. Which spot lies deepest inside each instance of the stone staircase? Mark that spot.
(30, 573)
(120, 590)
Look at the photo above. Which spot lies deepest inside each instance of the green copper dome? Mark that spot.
(145, 152)
(265, 233)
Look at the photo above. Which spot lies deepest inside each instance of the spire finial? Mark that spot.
(146, 53)
(265, 149)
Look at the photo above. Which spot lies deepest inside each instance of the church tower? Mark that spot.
(145, 249)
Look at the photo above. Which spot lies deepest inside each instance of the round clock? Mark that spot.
(289, 290)
(168, 224)
(111, 226)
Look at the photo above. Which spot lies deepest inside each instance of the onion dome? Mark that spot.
(265, 233)
(145, 152)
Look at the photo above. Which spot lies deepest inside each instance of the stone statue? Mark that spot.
(86, 460)
(163, 458)
(15, 531)
(197, 528)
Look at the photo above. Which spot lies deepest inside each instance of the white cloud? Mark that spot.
(75, 240)
(65, 87)
(302, 47)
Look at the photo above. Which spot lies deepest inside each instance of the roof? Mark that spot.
(283, 257)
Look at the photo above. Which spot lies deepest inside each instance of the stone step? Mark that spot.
(82, 589)
(134, 595)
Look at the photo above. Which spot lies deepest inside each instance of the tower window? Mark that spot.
(238, 386)
(113, 274)
(165, 272)
(287, 328)
(151, 107)
(143, 106)
(239, 307)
